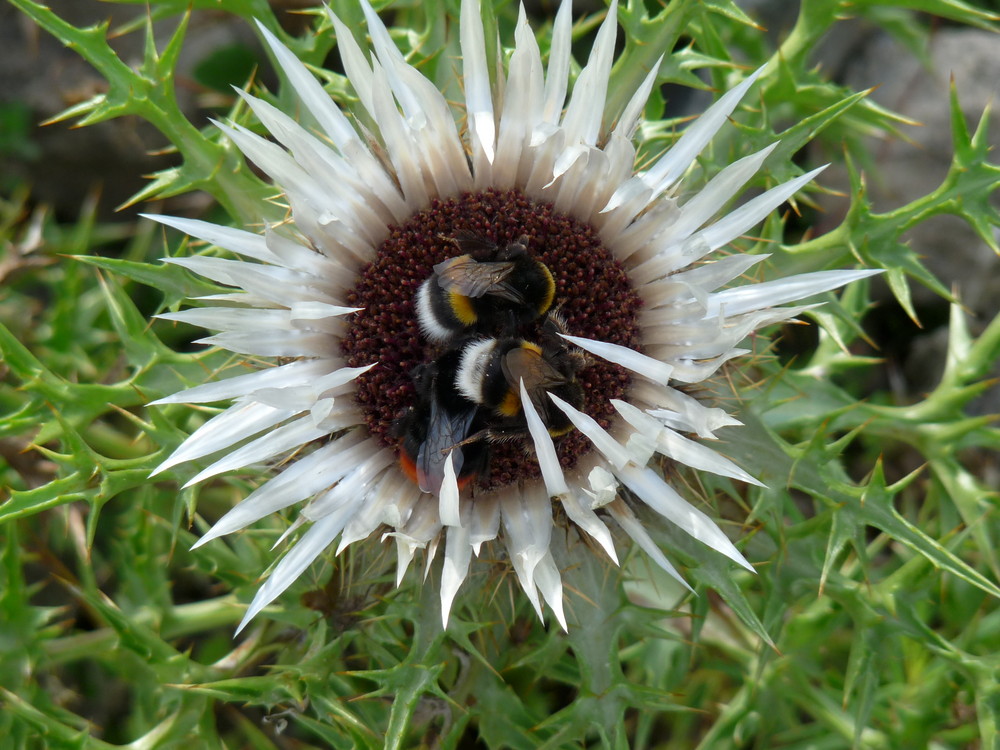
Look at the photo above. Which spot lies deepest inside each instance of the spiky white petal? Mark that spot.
(637, 362)
(351, 481)
(305, 396)
(603, 487)
(548, 461)
(355, 62)
(238, 241)
(634, 528)
(484, 522)
(586, 519)
(770, 293)
(457, 554)
(549, 582)
(364, 214)
(521, 114)
(232, 318)
(302, 479)
(649, 487)
(478, 95)
(582, 120)
(236, 423)
(448, 495)
(675, 162)
(298, 558)
(336, 125)
(681, 411)
(679, 448)
(313, 310)
(386, 499)
(586, 424)
(421, 529)
(272, 444)
(394, 131)
(285, 376)
(527, 520)
(279, 285)
(629, 120)
(557, 74)
(273, 343)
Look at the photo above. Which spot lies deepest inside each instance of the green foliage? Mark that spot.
(872, 623)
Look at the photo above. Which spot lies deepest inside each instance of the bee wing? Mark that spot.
(444, 430)
(469, 242)
(538, 375)
(474, 279)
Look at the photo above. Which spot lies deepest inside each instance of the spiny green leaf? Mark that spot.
(139, 638)
(956, 10)
(340, 726)
(983, 352)
(863, 669)
(803, 131)
(256, 690)
(843, 531)
(53, 494)
(877, 511)
(871, 505)
(647, 39)
(142, 347)
(176, 283)
(971, 165)
(507, 722)
(730, 10)
(53, 732)
(717, 572)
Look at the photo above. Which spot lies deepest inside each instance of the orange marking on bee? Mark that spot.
(409, 466)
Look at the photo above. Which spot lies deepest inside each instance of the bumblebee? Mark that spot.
(469, 399)
(486, 290)
(438, 424)
(490, 372)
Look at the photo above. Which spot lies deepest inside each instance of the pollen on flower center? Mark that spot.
(593, 297)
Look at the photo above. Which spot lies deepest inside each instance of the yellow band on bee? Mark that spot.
(462, 307)
(550, 290)
(511, 404)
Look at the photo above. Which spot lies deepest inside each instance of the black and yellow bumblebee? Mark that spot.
(491, 371)
(485, 290)
(470, 398)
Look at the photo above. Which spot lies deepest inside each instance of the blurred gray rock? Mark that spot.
(909, 170)
(39, 78)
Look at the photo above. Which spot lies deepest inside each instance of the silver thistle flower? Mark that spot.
(333, 290)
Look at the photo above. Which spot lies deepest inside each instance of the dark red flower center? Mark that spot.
(593, 297)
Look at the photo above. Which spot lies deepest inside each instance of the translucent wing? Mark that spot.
(538, 375)
(474, 279)
(444, 430)
(473, 244)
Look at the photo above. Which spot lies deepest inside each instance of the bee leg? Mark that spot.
(483, 434)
